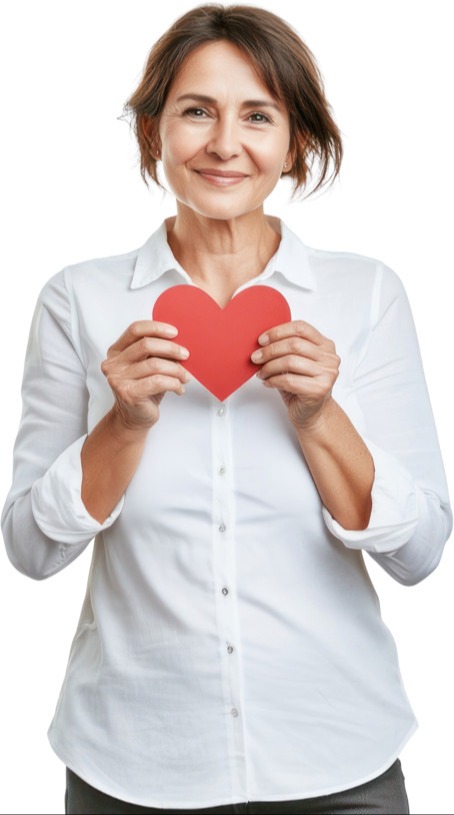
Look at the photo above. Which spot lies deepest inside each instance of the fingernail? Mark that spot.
(256, 356)
(263, 339)
(184, 353)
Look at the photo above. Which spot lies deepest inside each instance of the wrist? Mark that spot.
(124, 429)
(314, 424)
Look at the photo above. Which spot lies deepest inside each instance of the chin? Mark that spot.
(221, 211)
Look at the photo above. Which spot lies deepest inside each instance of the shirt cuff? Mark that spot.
(395, 508)
(57, 505)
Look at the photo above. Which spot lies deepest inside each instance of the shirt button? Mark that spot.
(234, 712)
(221, 410)
(221, 471)
(222, 528)
(225, 591)
(230, 649)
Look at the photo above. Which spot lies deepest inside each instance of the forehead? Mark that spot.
(219, 64)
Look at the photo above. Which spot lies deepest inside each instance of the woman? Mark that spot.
(230, 655)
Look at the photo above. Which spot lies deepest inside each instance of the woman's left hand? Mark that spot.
(302, 364)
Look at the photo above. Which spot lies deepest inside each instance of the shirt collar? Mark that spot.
(291, 260)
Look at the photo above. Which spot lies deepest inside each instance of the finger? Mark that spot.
(156, 385)
(299, 366)
(143, 328)
(309, 388)
(147, 347)
(134, 392)
(296, 346)
(155, 366)
(298, 328)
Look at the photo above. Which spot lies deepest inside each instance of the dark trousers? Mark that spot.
(384, 795)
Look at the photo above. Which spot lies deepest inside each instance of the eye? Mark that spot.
(259, 118)
(195, 113)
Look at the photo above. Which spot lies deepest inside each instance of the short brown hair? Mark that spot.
(285, 65)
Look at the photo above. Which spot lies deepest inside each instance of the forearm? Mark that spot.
(341, 466)
(110, 457)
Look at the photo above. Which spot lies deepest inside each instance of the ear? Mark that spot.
(288, 163)
(150, 130)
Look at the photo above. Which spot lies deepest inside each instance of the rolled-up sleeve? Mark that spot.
(45, 523)
(56, 501)
(411, 518)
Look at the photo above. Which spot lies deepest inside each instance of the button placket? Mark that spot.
(225, 572)
(221, 487)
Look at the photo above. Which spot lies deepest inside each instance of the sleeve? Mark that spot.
(411, 518)
(45, 524)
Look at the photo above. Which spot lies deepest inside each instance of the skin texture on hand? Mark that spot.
(303, 365)
(141, 367)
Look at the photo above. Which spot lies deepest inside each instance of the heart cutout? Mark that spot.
(220, 341)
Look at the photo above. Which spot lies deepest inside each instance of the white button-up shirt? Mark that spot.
(230, 646)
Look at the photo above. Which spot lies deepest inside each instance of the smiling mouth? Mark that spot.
(221, 178)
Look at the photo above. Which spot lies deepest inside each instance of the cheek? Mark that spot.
(270, 156)
(180, 143)
(270, 164)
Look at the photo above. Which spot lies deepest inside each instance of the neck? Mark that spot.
(220, 255)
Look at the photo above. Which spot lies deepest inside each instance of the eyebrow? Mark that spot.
(210, 100)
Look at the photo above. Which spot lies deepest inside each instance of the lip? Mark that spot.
(221, 178)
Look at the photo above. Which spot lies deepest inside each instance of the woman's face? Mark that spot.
(223, 138)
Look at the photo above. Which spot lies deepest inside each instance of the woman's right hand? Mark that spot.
(140, 368)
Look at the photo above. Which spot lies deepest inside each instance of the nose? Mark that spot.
(224, 139)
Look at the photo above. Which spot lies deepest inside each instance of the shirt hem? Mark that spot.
(212, 802)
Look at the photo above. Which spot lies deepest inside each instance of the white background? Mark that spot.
(71, 190)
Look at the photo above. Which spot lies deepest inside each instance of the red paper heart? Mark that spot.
(220, 341)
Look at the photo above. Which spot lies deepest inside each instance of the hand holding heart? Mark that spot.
(221, 340)
(146, 362)
(141, 367)
(302, 364)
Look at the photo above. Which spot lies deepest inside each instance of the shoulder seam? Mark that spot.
(73, 321)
